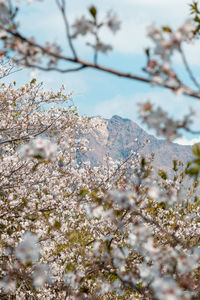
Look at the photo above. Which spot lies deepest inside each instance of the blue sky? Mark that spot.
(97, 93)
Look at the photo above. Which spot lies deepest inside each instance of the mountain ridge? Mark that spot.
(117, 137)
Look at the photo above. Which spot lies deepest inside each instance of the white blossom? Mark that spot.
(8, 284)
(28, 250)
(70, 279)
(39, 147)
(41, 275)
(113, 22)
(81, 27)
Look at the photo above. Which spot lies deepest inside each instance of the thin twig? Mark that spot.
(192, 77)
(191, 131)
(62, 8)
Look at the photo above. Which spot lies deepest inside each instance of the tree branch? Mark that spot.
(55, 69)
(105, 69)
(62, 7)
(193, 79)
(191, 131)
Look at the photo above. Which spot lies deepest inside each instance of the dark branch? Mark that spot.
(55, 69)
(84, 63)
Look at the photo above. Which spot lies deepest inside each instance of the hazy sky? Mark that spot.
(96, 93)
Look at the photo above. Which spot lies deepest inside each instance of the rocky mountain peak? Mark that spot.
(117, 136)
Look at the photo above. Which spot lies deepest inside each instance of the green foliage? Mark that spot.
(196, 12)
(193, 167)
(162, 174)
(33, 81)
(196, 150)
(69, 267)
(57, 225)
(166, 29)
(93, 11)
(175, 163)
(83, 192)
(194, 7)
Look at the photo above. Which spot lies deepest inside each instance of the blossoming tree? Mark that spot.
(74, 231)
(159, 69)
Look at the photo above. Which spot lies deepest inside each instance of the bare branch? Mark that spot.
(191, 131)
(62, 7)
(191, 75)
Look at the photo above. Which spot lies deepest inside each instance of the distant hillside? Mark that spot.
(116, 137)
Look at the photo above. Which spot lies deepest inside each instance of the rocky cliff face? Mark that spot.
(116, 137)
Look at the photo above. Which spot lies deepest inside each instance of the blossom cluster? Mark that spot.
(39, 148)
(159, 120)
(159, 67)
(26, 53)
(159, 59)
(84, 26)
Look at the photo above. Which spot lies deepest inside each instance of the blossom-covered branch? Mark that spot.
(29, 53)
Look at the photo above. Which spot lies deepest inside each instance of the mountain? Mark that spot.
(117, 136)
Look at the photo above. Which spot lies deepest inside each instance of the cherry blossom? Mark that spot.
(113, 22)
(81, 26)
(28, 250)
(72, 230)
(39, 147)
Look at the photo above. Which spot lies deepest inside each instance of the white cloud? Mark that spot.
(135, 16)
(126, 106)
(74, 82)
(153, 2)
(131, 39)
(185, 141)
(192, 55)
